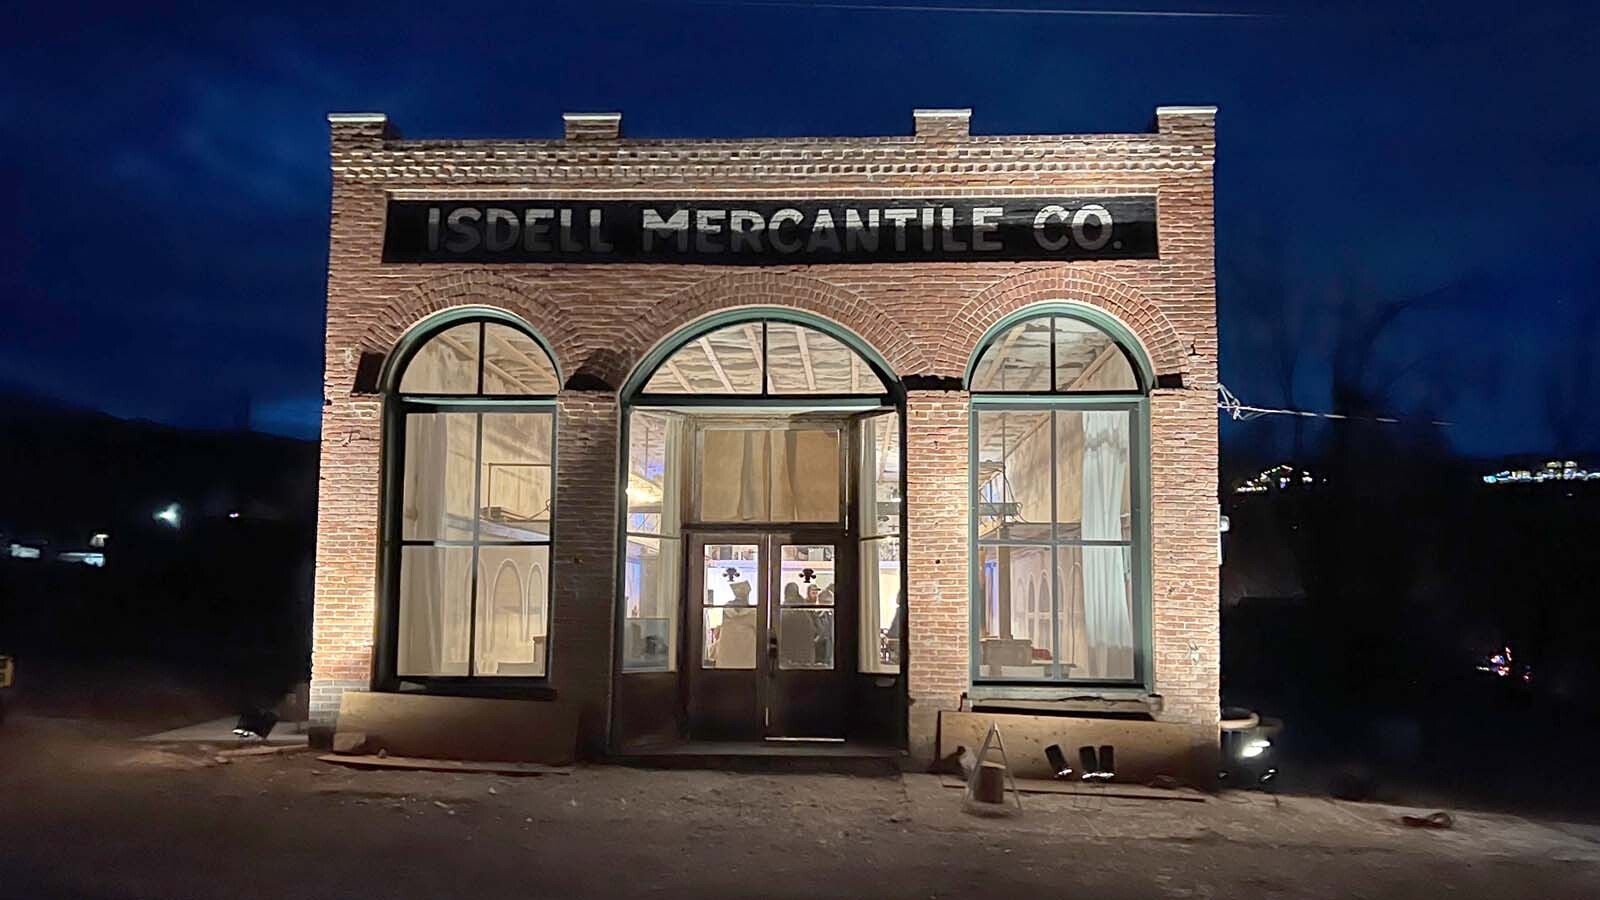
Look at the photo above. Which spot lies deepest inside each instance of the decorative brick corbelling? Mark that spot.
(1142, 315)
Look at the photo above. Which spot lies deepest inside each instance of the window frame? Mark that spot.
(1136, 405)
(397, 407)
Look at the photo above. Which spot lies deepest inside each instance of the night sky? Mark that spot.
(165, 176)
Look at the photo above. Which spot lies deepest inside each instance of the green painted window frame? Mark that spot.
(396, 407)
(1137, 405)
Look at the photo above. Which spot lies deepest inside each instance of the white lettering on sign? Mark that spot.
(775, 233)
(860, 235)
(1102, 222)
(744, 230)
(768, 231)
(536, 229)
(463, 238)
(983, 227)
(675, 227)
(1042, 220)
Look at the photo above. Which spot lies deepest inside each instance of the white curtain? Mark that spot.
(1108, 620)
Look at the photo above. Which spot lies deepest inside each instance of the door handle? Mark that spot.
(772, 646)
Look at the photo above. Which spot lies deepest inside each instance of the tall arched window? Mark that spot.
(471, 480)
(1059, 487)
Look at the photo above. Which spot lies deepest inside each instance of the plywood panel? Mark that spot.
(462, 728)
(1144, 750)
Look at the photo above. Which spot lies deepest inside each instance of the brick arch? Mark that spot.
(1141, 314)
(766, 288)
(474, 287)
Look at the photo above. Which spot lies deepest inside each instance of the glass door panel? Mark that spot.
(805, 622)
(729, 610)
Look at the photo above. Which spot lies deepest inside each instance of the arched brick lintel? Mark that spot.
(474, 287)
(768, 288)
(1140, 314)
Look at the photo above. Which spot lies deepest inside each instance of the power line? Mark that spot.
(1239, 411)
(994, 10)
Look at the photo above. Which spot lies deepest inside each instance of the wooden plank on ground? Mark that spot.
(459, 728)
(1145, 751)
(1078, 788)
(371, 761)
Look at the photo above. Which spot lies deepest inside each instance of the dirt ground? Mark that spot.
(86, 813)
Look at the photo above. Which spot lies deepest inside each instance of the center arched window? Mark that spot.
(471, 462)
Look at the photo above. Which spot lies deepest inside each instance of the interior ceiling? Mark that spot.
(1019, 360)
(799, 360)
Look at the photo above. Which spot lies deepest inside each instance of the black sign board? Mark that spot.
(771, 232)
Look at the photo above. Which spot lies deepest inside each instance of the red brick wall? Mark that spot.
(924, 318)
(937, 573)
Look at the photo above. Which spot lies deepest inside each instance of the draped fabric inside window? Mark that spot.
(772, 471)
(1107, 610)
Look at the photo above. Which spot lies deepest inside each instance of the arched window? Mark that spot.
(470, 460)
(756, 417)
(1059, 481)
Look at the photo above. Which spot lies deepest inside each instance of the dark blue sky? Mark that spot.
(165, 180)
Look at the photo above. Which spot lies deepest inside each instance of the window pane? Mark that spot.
(650, 591)
(446, 364)
(516, 486)
(1017, 586)
(807, 575)
(512, 595)
(726, 361)
(1094, 475)
(879, 460)
(1017, 360)
(730, 639)
(805, 639)
(1097, 637)
(801, 360)
(880, 605)
(1014, 475)
(655, 472)
(514, 363)
(731, 574)
(435, 603)
(805, 475)
(436, 496)
(733, 475)
(1087, 359)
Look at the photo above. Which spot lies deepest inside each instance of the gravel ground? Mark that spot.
(87, 813)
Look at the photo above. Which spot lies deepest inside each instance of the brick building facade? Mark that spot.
(917, 323)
